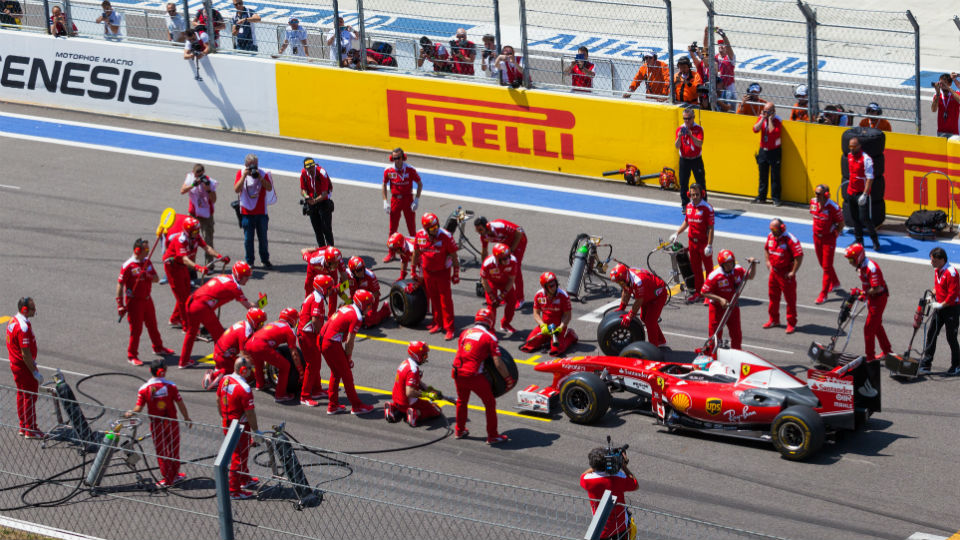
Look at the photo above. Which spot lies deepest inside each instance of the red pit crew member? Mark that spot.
(134, 285)
(336, 345)
(946, 311)
(262, 348)
(235, 402)
(498, 275)
(783, 255)
(401, 178)
(552, 312)
(721, 285)
(202, 305)
(504, 232)
(435, 253)
(408, 387)
(327, 261)
(827, 225)
(476, 344)
(875, 288)
(698, 218)
(22, 353)
(400, 245)
(312, 317)
(178, 260)
(360, 277)
(227, 349)
(650, 294)
(160, 396)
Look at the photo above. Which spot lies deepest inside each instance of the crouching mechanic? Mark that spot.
(408, 388)
(235, 402)
(361, 277)
(650, 295)
(476, 344)
(498, 275)
(504, 232)
(326, 261)
(262, 348)
(227, 349)
(552, 311)
(698, 222)
(719, 289)
(202, 305)
(312, 317)
(399, 245)
(336, 346)
(596, 480)
(178, 260)
(435, 253)
(160, 396)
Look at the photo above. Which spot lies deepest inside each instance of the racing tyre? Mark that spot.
(293, 380)
(408, 309)
(576, 243)
(878, 210)
(797, 433)
(643, 350)
(584, 398)
(612, 337)
(497, 383)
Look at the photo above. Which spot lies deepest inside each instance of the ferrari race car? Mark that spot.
(735, 394)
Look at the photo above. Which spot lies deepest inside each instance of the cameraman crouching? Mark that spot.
(605, 474)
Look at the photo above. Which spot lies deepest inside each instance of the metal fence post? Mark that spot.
(916, 63)
(523, 43)
(670, 67)
(46, 16)
(222, 481)
(69, 18)
(363, 35)
(186, 12)
(711, 58)
(813, 81)
(336, 32)
(496, 24)
(599, 521)
(211, 26)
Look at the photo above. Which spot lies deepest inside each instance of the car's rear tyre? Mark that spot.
(642, 350)
(798, 432)
(408, 309)
(584, 398)
(613, 338)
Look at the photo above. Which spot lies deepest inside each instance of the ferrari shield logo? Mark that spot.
(744, 370)
(660, 382)
(714, 405)
(467, 346)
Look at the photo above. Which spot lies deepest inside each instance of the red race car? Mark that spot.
(735, 394)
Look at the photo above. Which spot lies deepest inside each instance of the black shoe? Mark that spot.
(777, 202)
(758, 200)
(953, 371)
(267, 264)
(858, 240)
(876, 243)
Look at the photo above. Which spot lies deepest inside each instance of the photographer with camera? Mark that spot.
(196, 46)
(872, 118)
(110, 20)
(769, 126)
(582, 71)
(437, 55)
(689, 141)
(726, 62)
(347, 35)
(831, 115)
(510, 67)
(946, 105)
(686, 81)
(653, 74)
(489, 57)
(608, 471)
(801, 109)
(203, 194)
(58, 24)
(462, 53)
(751, 104)
(255, 189)
(316, 189)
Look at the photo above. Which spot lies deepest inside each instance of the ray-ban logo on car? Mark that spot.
(487, 125)
(714, 405)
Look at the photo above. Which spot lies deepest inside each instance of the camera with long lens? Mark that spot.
(693, 47)
(613, 457)
(304, 206)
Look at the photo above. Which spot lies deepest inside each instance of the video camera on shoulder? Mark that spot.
(613, 458)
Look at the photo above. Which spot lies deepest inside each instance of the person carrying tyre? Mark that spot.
(877, 293)
(262, 349)
(650, 295)
(827, 225)
(475, 345)
(511, 234)
(178, 261)
(784, 254)
(857, 197)
(946, 311)
(400, 178)
(498, 276)
(399, 245)
(552, 313)
(408, 387)
(698, 217)
(327, 261)
(227, 349)
(137, 276)
(312, 317)
(235, 402)
(203, 303)
(361, 277)
(336, 346)
(434, 254)
(721, 284)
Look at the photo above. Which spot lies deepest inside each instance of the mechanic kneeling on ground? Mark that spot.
(596, 480)
(408, 389)
(498, 275)
(476, 344)
(227, 349)
(552, 312)
(262, 348)
(361, 277)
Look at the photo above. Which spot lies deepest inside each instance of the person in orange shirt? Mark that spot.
(873, 109)
(654, 73)
(685, 82)
(801, 111)
(751, 104)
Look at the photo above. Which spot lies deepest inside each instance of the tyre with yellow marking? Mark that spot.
(798, 433)
(584, 398)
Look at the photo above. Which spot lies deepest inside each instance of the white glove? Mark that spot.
(386, 207)
(38, 376)
(673, 238)
(708, 251)
(415, 204)
(936, 305)
(862, 201)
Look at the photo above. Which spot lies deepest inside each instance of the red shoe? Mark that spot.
(434, 328)
(336, 409)
(284, 399)
(33, 434)
(187, 365)
(507, 329)
(771, 323)
(388, 258)
(163, 351)
(706, 301)
(820, 299)
(309, 403)
(363, 409)
(498, 439)
(834, 287)
(135, 361)
(791, 328)
(461, 434)
(317, 397)
(175, 324)
(252, 483)
(449, 335)
(180, 478)
(694, 298)
(162, 483)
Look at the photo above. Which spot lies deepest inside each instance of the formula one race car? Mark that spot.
(735, 394)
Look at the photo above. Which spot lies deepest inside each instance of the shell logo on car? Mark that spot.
(681, 401)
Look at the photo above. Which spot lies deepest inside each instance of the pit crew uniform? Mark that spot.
(596, 483)
(406, 255)
(180, 245)
(475, 345)
(436, 274)
(235, 399)
(946, 282)
(725, 286)
(347, 320)
(409, 374)
(377, 313)
(504, 232)
(201, 307)
(316, 265)
(551, 312)
(228, 347)
(498, 275)
(646, 285)
(782, 250)
(139, 304)
(401, 195)
(307, 335)
(871, 276)
(262, 348)
(20, 336)
(827, 224)
(160, 397)
(699, 220)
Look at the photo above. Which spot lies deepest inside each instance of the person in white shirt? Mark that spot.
(296, 39)
(176, 25)
(489, 58)
(203, 194)
(110, 20)
(196, 45)
(347, 35)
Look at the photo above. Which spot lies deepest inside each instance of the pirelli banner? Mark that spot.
(152, 83)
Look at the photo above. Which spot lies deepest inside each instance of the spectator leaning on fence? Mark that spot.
(685, 82)
(581, 70)
(801, 110)
(769, 126)
(436, 53)
(510, 67)
(296, 38)
(218, 24)
(463, 53)
(653, 74)
(243, 19)
(110, 20)
(946, 105)
(874, 110)
(58, 24)
(489, 56)
(347, 35)
(10, 13)
(196, 46)
(176, 25)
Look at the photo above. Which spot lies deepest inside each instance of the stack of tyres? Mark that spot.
(873, 142)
